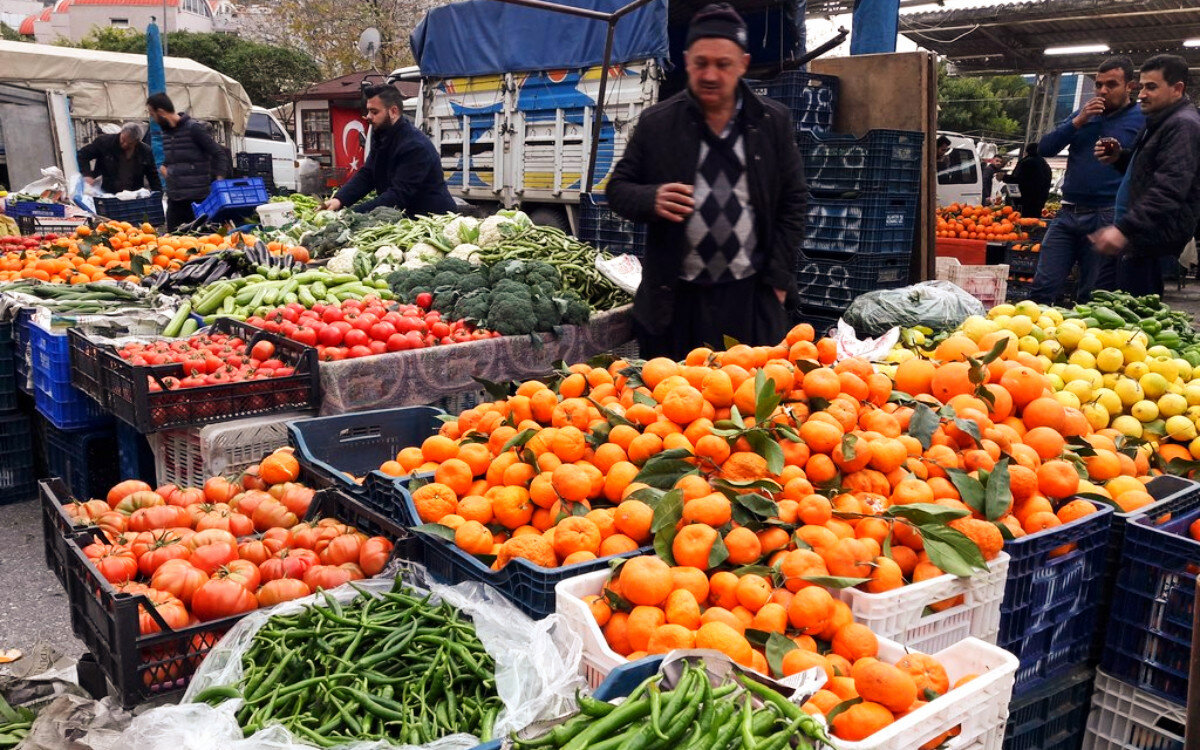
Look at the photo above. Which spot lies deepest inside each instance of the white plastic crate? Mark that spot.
(945, 268)
(899, 614)
(1125, 718)
(988, 284)
(979, 708)
(187, 457)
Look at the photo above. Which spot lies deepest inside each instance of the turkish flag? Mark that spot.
(349, 138)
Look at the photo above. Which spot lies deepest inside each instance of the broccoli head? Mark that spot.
(541, 274)
(575, 310)
(456, 266)
(471, 282)
(511, 310)
(447, 279)
(444, 298)
(473, 306)
(506, 269)
(547, 312)
(405, 282)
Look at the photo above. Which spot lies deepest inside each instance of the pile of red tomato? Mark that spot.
(11, 244)
(362, 328)
(200, 554)
(207, 359)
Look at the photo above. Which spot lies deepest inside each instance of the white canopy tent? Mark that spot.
(111, 86)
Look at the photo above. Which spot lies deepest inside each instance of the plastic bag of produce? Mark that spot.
(939, 305)
(536, 674)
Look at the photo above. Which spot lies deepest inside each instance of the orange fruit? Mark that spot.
(855, 641)
(810, 609)
(885, 684)
(860, 721)
(633, 519)
(721, 637)
(927, 673)
(1057, 479)
(645, 580)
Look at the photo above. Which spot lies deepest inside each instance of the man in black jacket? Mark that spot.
(191, 159)
(1158, 203)
(715, 172)
(1032, 177)
(403, 168)
(122, 161)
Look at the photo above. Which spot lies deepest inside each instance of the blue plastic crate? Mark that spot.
(602, 228)
(1053, 717)
(67, 407)
(35, 208)
(882, 161)
(229, 198)
(528, 586)
(134, 455)
(1150, 625)
(16, 459)
(86, 460)
(358, 443)
(811, 97)
(1051, 599)
(870, 224)
(830, 284)
(136, 211)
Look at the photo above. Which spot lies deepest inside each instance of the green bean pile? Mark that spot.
(692, 716)
(574, 259)
(395, 667)
(15, 724)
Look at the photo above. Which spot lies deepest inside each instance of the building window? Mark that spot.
(119, 23)
(318, 132)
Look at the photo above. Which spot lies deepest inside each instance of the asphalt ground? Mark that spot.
(34, 606)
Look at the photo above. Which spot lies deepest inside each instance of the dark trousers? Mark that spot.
(704, 315)
(179, 213)
(1065, 244)
(1139, 275)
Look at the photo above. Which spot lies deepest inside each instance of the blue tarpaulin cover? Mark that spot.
(478, 37)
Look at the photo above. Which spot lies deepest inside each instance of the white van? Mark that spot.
(265, 135)
(960, 177)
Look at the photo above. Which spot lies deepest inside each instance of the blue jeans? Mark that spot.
(1065, 244)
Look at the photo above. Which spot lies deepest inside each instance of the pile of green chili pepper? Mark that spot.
(1164, 326)
(694, 715)
(15, 724)
(393, 667)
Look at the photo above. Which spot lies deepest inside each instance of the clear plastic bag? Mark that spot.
(939, 305)
(537, 674)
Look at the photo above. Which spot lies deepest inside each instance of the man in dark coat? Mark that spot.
(191, 159)
(1158, 203)
(403, 168)
(121, 161)
(715, 172)
(1032, 177)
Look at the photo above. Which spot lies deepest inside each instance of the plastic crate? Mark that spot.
(602, 228)
(134, 455)
(230, 198)
(979, 710)
(145, 666)
(831, 284)
(36, 208)
(357, 444)
(1149, 638)
(57, 526)
(821, 321)
(148, 210)
(255, 165)
(1017, 290)
(811, 97)
(988, 284)
(16, 459)
(49, 225)
(8, 376)
(21, 355)
(901, 614)
(1022, 261)
(866, 225)
(1053, 717)
(1048, 618)
(66, 406)
(187, 457)
(1125, 718)
(882, 161)
(86, 460)
(127, 394)
(457, 403)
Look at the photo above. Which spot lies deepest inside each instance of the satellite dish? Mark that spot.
(368, 42)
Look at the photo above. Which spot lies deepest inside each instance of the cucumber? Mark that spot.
(176, 325)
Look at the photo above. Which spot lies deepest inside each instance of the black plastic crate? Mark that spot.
(16, 459)
(86, 460)
(882, 161)
(357, 444)
(139, 666)
(148, 210)
(125, 387)
(8, 376)
(602, 228)
(57, 526)
(1021, 260)
(870, 224)
(1053, 717)
(811, 97)
(1149, 638)
(1052, 597)
(255, 165)
(21, 355)
(832, 283)
(821, 321)
(87, 363)
(30, 225)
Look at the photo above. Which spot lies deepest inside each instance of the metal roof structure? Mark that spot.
(1014, 37)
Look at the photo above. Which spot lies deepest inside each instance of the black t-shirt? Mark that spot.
(129, 173)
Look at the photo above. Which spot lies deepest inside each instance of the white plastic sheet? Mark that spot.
(537, 674)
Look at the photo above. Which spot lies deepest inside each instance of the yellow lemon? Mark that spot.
(1172, 404)
(1181, 429)
(1144, 411)
(1127, 426)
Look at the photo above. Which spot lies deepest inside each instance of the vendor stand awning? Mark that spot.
(423, 376)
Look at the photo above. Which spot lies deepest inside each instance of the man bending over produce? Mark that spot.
(715, 172)
(403, 168)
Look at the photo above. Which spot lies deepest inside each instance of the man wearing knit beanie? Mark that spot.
(715, 173)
